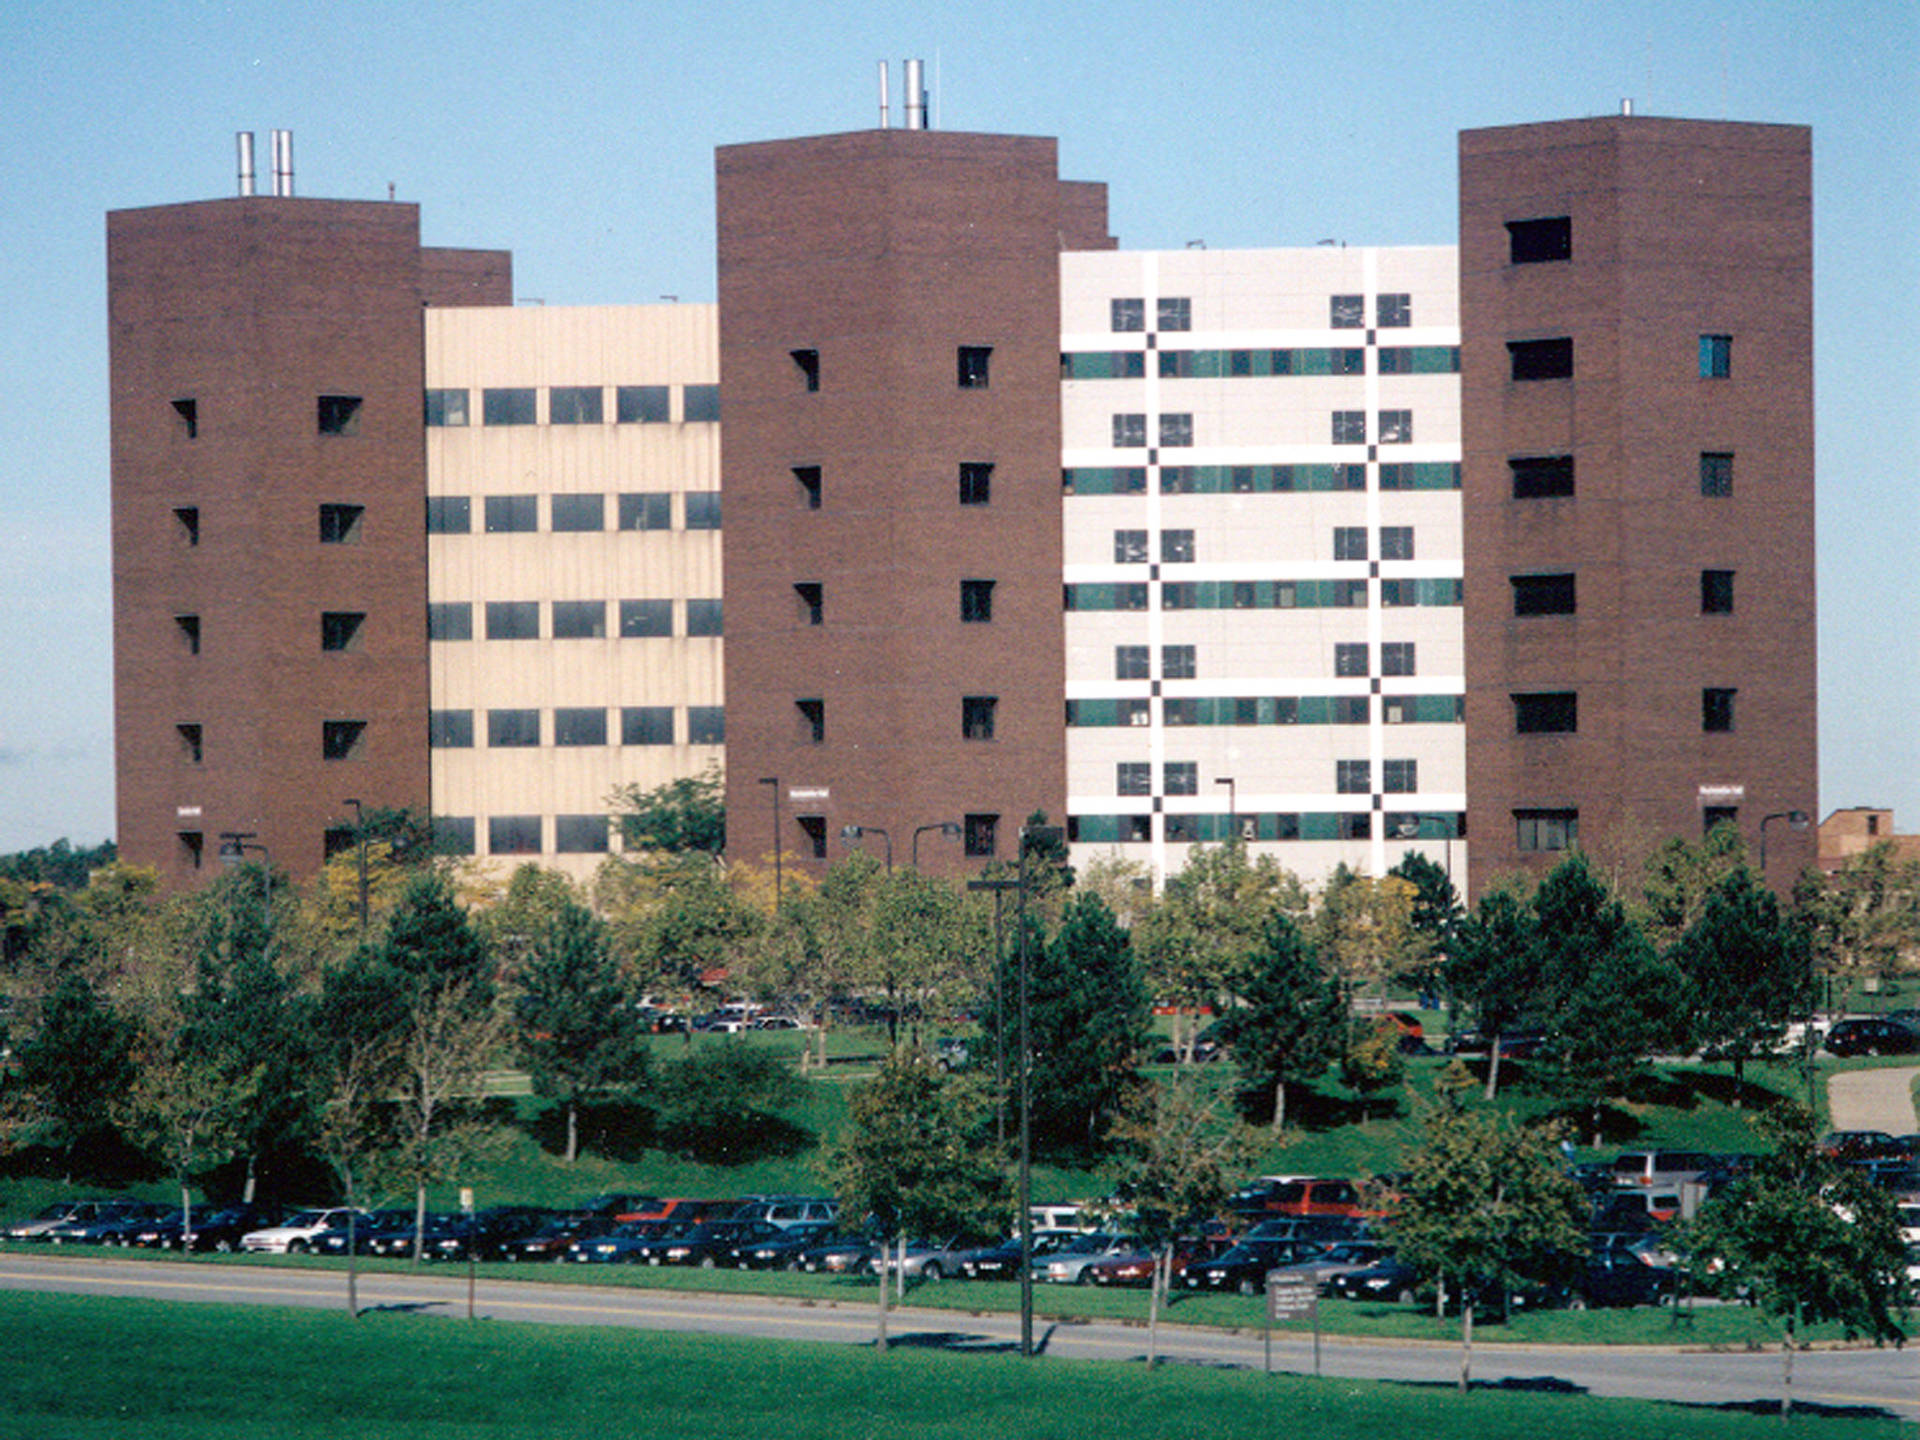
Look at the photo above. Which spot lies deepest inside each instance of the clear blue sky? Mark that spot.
(579, 134)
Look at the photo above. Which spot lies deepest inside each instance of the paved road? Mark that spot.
(1873, 1100)
(1884, 1382)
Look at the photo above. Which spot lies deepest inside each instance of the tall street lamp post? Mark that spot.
(1796, 820)
(948, 828)
(774, 781)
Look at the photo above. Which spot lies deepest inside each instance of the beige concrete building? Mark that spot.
(573, 563)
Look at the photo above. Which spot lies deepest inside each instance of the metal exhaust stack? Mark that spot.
(243, 146)
(283, 164)
(915, 98)
(886, 102)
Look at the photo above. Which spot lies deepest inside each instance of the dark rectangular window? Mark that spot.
(1716, 357)
(1133, 777)
(813, 720)
(1349, 427)
(1716, 473)
(450, 620)
(189, 628)
(646, 725)
(340, 629)
(186, 415)
(704, 617)
(339, 414)
(814, 827)
(513, 619)
(1352, 709)
(1176, 547)
(1182, 777)
(446, 409)
(1178, 662)
(1396, 427)
(976, 602)
(977, 716)
(1129, 432)
(453, 835)
(1347, 312)
(1541, 830)
(1353, 777)
(580, 834)
(807, 477)
(1129, 547)
(1712, 815)
(976, 483)
(579, 619)
(645, 618)
(1535, 242)
(1397, 658)
(450, 729)
(341, 739)
(513, 835)
(580, 726)
(1175, 312)
(1554, 712)
(1393, 312)
(340, 524)
(1130, 662)
(1184, 595)
(1716, 592)
(980, 835)
(1541, 477)
(1541, 359)
(1543, 595)
(186, 520)
(573, 514)
(640, 404)
(1396, 542)
(512, 514)
(449, 515)
(515, 729)
(703, 509)
(1716, 710)
(971, 366)
(1399, 777)
(1350, 542)
(807, 362)
(518, 405)
(646, 510)
(192, 748)
(575, 405)
(1128, 314)
(706, 725)
(700, 404)
(812, 595)
(1176, 431)
(1352, 659)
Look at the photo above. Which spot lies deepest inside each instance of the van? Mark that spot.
(1666, 1168)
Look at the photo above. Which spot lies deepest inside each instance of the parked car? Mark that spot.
(624, 1244)
(931, 1259)
(486, 1235)
(64, 1215)
(216, 1231)
(1391, 1280)
(1618, 1277)
(1850, 1145)
(367, 1229)
(1660, 1169)
(786, 1211)
(1062, 1266)
(550, 1241)
(102, 1223)
(295, 1233)
(1244, 1268)
(1851, 1038)
(1002, 1261)
(777, 1252)
(1323, 1264)
(1308, 1195)
(839, 1252)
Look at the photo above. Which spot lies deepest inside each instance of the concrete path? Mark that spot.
(1873, 1100)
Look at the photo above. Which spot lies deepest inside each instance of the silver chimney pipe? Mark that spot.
(283, 163)
(886, 102)
(243, 146)
(1626, 107)
(915, 98)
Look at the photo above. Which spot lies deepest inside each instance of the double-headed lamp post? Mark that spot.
(1796, 820)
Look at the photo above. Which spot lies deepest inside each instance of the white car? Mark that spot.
(291, 1235)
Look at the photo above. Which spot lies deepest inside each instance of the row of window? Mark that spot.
(1258, 479)
(972, 365)
(1180, 662)
(975, 488)
(333, 415)
(1177, 548)
(1264, 825)
(574, 619)
(573, 514)
(1345, 427)
(1186, 710)
(1182, 777)
(573, 405)
(976, 602)
(1557, 712)
(1263, 594)
(1541, 831)
(1128, 314)
(579, 725)
(1557, 594)
(1551, 477)
(339, 740)
(1258, 364)
(1552, 358)
(978, 717)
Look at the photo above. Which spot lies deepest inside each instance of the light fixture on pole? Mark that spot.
(851, 833)
(1796, 820)
(774, 781)
(1233, 807)
(948, 828)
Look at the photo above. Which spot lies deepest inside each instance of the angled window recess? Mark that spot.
(341, 739)
(807, 477)
(976, 483)
(187, 417)
(191, 749)
(813, 719)
(812, 597)
(339, 414)
(1538, 242)
(186, 520)
(189, 632)
(807, 362)
(340, 524)
(340, 629)
(972, 364)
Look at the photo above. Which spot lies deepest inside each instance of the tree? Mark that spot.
(1681, 876)
(79, 1063)
(578, 1029)
(674, 918)
(1806, 1240)
(685, 814)
(1434, 914)
(1364, 930)
(1370, 1059)
(1865, 917)
(1748, 970)
(1291, 1017)
(1486, 1208)
(1490, 969)
(353, 1128)
(719, 1103)
(430, 942)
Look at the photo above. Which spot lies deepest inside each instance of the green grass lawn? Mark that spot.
(74, 1368)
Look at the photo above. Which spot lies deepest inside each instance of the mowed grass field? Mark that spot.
(73, 1368)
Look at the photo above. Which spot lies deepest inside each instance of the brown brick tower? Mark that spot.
(1636, 307)
(270, 654)
(889, 364)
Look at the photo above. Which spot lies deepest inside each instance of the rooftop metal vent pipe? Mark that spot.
(915, 98)
(283, 163)
(886, 101)
(243, 146)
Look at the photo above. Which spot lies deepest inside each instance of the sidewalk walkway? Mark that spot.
(1873, 1100)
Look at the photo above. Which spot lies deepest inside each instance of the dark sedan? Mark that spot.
(1851, 1038)
(1244, 1267)
(777, 1252)
(1391, 1280)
